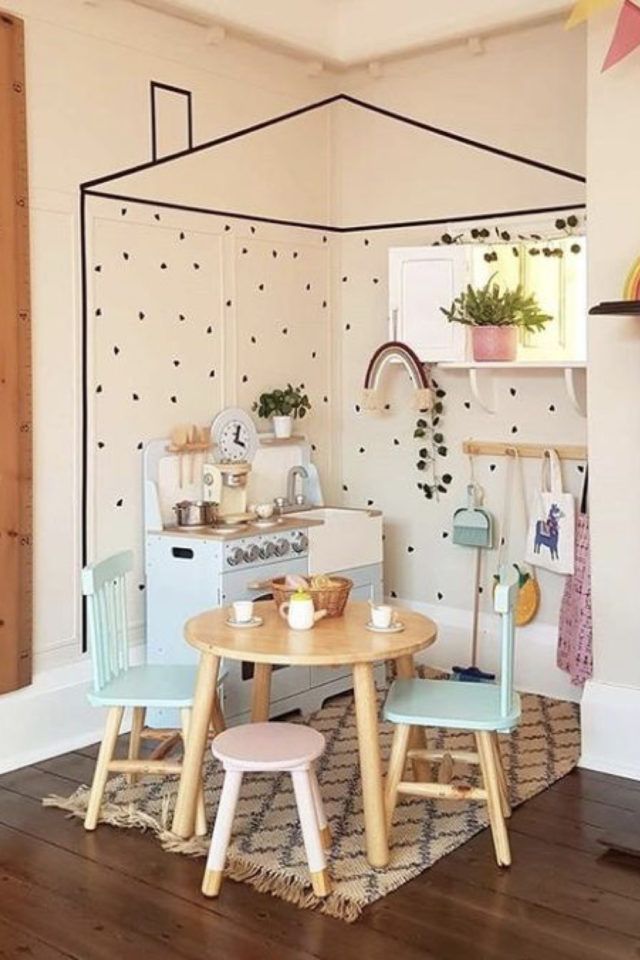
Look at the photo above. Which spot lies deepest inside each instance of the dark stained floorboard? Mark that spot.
(115, 894)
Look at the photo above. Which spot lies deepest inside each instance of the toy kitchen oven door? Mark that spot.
(188, 571)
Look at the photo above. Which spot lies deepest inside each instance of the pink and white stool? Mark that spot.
(278, 748)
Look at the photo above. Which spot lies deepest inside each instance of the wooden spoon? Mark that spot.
(179, 437)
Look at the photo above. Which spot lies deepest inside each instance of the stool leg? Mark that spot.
(212, 880)
(311, 832)
(325, 829)
(201, 817)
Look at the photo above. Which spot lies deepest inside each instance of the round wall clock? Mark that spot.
(235, 436)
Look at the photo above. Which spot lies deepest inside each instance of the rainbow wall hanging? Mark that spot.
(395, 352)
(632, 283)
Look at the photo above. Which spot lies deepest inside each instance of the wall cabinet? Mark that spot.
(421, 281)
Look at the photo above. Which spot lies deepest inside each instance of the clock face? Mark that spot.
(235, 436)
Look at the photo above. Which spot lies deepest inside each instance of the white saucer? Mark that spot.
(394, 628)
(270, 522)
(245, 624)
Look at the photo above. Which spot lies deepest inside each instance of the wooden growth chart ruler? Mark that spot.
(16, 570)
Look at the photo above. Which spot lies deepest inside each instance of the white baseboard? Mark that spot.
(52, 716)
(610, 723)
(535, 661)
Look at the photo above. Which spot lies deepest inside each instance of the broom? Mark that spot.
(473, 527)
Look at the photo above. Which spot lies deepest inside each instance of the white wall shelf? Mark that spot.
(484, 394)
(270, 440)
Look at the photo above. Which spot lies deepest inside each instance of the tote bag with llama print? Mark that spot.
(551, 534)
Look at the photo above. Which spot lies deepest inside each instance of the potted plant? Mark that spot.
(495, 316)
(283, 407)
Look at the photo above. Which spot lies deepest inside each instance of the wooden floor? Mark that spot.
(114, 895)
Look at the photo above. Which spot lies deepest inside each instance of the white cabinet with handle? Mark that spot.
(421, 281)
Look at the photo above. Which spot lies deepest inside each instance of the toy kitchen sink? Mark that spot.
(346, 540)
(188, 571)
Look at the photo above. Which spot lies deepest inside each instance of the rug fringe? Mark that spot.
(292, 890)
(116, 815)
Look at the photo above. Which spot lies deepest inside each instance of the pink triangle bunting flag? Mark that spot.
(627, 35)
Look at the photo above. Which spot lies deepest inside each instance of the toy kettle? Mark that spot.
(299, 612)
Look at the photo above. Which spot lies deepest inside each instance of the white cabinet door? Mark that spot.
(421, 281)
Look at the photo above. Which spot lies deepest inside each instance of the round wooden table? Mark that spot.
(332, 642)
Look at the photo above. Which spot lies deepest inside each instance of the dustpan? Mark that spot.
(472, 526)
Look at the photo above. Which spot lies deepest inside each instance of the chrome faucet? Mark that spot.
(294, 472)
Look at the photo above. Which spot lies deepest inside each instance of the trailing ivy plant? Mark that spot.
(566, 227)
(433, 449)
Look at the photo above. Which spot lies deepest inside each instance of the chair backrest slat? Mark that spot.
(104, 585)
(506, 594)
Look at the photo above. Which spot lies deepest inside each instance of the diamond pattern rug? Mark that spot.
(267, 850)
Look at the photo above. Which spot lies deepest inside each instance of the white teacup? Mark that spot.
(382, 615)
(264, 510)
(242, 611)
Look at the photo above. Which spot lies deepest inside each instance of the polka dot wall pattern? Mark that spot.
(200, 313)
(379, 452)
(283, 328)
(150, 355)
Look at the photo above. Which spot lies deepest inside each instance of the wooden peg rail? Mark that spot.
(490, 448)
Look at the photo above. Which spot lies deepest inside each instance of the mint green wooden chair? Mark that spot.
(484, 708)
(117, 686)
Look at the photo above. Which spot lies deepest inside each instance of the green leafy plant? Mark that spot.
(291, 402)
(492, 306)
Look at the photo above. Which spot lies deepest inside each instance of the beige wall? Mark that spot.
(526, 93)
(88, 112)
(88, 71)
(612, 702)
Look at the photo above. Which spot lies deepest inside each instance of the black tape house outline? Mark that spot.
(97, 187)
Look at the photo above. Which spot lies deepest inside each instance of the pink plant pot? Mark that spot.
(494, 343)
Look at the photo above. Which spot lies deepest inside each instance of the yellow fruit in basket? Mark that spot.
(321, 582)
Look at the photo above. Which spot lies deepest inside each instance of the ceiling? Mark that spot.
(344, 33)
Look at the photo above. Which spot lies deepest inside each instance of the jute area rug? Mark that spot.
(266, 849)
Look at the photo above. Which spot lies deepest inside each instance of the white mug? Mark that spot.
(382, 616)
(242, 611)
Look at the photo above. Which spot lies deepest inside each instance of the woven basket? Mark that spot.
(332, 599)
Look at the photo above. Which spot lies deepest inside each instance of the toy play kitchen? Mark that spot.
(194, 567)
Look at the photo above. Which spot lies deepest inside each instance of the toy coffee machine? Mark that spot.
(225, 484)
(224, 481)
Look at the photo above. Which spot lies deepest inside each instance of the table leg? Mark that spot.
(370, 764)
(261, 693)
(185, 812)
(406, 670)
